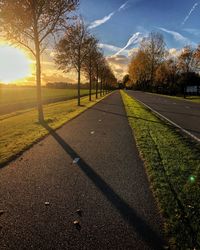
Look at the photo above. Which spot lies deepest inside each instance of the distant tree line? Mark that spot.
(31, 23)
(63, 85)
(154, 68)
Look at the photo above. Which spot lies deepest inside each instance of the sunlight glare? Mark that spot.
(14, 64)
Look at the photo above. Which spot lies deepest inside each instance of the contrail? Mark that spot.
(123, 6)
(99, 22)
(105, 19)
(177, 36)
(134, 39)
(189, 14)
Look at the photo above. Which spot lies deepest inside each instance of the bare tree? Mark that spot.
(103, 68)
(29, 23)
(72, 50)
(154, 47)
(88, 65)
(98, 58)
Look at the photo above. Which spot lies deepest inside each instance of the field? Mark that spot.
(23, 129)
(18, 98)
(173, 166)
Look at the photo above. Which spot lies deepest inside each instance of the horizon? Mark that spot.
(106, 20)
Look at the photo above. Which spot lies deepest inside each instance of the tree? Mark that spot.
(139, 70)
(154, 48)
(103, 70)
(162, 76)
(126, 80)
(88, 65)
(29, 23)
(186, 65)
(98, 60)
(72, 50)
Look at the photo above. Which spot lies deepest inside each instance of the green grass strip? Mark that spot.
(195, 99)
(19, 130)
(172, 163)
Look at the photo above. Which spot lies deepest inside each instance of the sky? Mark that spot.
(120, 25)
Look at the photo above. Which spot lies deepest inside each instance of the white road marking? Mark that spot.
(168, 120)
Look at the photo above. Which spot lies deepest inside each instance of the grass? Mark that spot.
(172, 163)
(10, 96)
(19, 130)
(195, 99)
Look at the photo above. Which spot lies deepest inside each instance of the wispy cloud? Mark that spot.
(105, 19)
(99, 22)
(122, 7)
(177, 36)
(134, 39)
(192, 31)
(190, 12)
(109, 47)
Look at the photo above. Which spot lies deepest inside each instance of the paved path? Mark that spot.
(108, 184)
(184, 113)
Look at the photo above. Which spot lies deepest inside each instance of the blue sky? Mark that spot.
(177, 20)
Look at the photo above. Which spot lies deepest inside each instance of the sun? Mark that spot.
(14, 64)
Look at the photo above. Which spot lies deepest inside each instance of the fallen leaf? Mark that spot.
(77, 225)
(76, 160)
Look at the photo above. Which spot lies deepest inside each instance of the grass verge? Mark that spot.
(195, 99)
(172, 163)
(19, 130)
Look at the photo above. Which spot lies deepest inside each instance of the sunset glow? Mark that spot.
(14, 64)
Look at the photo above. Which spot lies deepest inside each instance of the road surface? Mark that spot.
(184, 113)
(82, 187)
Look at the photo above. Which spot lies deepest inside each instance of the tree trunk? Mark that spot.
(79, 87)
(90, 89)
(97, 89)
(97, 84)
(101, 87)
(38, 73)
(39, 92)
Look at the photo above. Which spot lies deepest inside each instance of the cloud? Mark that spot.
(111, 48)
(173, 52)
(99, 22)
(189, 14)
(105, 19)
(192, 31)
(122, 7)
(119, 65)
(134, 39)
(177, 36)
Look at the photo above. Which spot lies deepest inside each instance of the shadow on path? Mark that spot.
(125, 116)
(142, 228)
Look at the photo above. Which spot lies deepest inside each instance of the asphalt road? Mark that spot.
(184, 113)
(43, 189)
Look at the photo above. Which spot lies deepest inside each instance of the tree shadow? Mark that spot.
(125, 116)
(142, 228)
